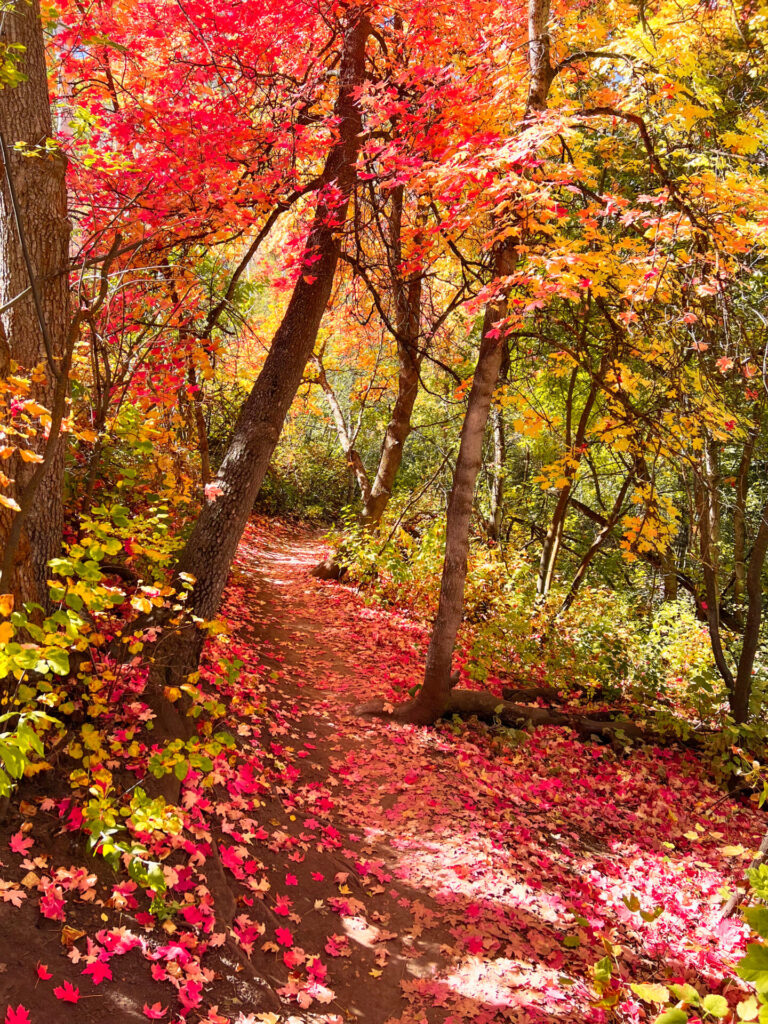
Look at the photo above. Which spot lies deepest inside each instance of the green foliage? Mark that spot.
(19, 743)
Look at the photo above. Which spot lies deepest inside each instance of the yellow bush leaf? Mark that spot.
(29, 456)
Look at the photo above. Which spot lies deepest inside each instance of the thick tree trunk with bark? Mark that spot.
(34, 330)
(208, 554)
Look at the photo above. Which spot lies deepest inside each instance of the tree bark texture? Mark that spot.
(433, 697)
(34, 330)
(407, 296)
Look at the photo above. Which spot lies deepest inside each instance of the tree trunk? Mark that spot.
(210, 549)
(433, 698)
(600, 538)
(742, 688)
(355, 464)
(707, 501)
(551, 547)
(199, 421)
(407, 295)
(669, 575)
(497, 482)
(436, 689)
(740, 516)
(33, 208)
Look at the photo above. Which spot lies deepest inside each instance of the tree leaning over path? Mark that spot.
(210, 549)
(34, 322)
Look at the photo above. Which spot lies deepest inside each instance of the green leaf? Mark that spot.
(13, 759)
(651, 993)
(685, 994)
(757, 919)
(603, 969)
(716, 1005)
(571, 941)
(181, 770)
(58, 660)
(753, 966)
(651, 915)
(672, 1017)
(631, 902)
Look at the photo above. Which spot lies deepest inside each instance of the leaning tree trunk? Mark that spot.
(210, 549)
(34, 241)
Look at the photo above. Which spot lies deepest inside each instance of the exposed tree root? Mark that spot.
(328, 569)
(484, 705)
(531, 693)
(251, 987)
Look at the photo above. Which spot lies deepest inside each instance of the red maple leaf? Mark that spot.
(17, 1016)
(68, 993)
(20, 843)
(99, 971)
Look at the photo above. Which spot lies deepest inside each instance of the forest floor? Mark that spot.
(376, 872)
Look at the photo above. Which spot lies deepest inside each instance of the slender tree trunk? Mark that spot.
(199, 420)
(742, 688)
(669, 575)
(94, 463)
(600, 538)
(210, 549)
(355, 463)
(407, 295)
(739, 518)
(33, 207)
(497, 482)
(708, 523)
(435, 692)
(552, 541)
(436, 689)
